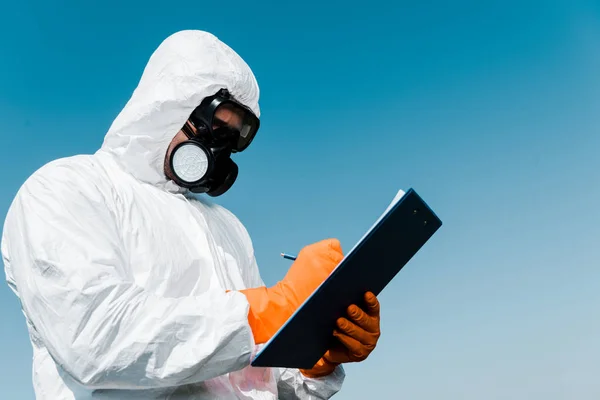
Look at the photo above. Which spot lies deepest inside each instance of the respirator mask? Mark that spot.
(217, 128)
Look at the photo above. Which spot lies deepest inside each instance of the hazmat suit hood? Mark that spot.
(187, 67)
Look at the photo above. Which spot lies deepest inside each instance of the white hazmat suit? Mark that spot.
(122, 278)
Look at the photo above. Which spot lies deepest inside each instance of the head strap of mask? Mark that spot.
(203, 163)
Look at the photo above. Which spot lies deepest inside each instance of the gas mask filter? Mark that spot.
(217, 128)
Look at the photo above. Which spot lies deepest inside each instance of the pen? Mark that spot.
(288, 256)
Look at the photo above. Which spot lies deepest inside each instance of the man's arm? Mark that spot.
(75, 287)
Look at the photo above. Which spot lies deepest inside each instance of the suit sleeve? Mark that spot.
(70, 272)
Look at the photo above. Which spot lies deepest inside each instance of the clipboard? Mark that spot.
(398, 234)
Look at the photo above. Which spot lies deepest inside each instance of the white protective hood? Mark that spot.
(187, 67)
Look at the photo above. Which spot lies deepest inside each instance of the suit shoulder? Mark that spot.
(66, 178)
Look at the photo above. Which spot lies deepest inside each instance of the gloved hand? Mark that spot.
(271, 307)
(357, 337)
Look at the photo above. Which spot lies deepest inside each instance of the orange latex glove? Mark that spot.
(271, 307)
(358, 335)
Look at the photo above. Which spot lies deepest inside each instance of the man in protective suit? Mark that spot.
(132, 288)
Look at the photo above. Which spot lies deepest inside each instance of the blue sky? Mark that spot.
(490, 110)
